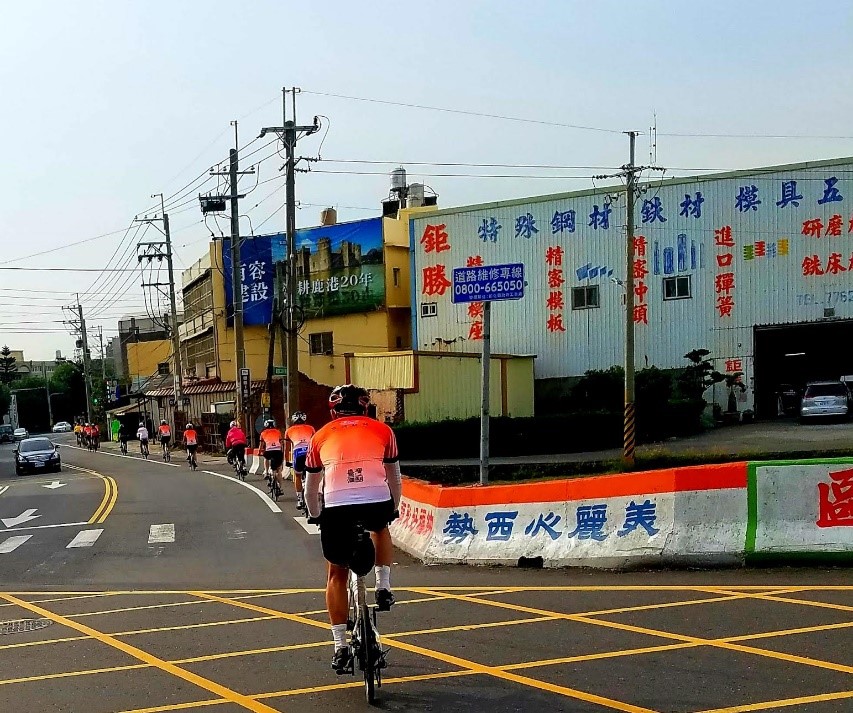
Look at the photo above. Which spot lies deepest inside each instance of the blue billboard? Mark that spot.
(257, 274)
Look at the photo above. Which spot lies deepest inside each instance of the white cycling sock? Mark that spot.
(383, 577)
(339, 633)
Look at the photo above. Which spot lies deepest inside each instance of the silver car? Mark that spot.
(825, 399)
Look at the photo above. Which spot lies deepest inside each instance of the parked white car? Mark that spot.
(824, 399)
(63, 427)
(21, 434)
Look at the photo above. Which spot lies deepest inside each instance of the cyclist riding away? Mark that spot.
(356, 459)
(190, 442)
(296, 440)
(235, 444)
(123, 437)
(273, 450)
(142, 435)
(96, 437)
(78, 431)
(164, 433)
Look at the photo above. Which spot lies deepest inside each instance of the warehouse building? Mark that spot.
(754, 266)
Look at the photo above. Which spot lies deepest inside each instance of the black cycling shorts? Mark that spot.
(338, 527)
(165, 439)
(238, 450)
(276, 459)
(193, 448)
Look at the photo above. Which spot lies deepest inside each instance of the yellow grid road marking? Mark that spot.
(768, 705)
(770, 597)
(145, 657)
(454, 661)
(660, 634)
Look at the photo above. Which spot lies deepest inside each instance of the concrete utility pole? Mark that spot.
(216, 204)
(629, 441)
(289, 135)
(87, 375)
(160, 251)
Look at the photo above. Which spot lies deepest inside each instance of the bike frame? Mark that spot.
(365, 642)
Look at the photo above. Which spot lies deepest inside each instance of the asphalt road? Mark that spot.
(189, 591)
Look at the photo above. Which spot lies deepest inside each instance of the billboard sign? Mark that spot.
(257, 275)
(488, 283)
(339, 268)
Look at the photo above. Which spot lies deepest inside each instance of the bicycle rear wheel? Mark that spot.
(368, 661)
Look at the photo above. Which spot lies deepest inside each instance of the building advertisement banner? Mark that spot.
(339, 268)
(257, 276)
(712, 257)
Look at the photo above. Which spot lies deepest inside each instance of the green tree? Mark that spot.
(69, 387)
(8, 366)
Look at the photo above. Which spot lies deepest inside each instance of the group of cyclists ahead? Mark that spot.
(88, 435)
(164, 437)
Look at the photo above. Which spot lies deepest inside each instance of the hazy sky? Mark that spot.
(105, 103)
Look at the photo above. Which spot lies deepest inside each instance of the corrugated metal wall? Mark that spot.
(769, 258)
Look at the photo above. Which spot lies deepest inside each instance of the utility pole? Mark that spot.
(210, 204)
(161, 251)
(289, 135)
(87, 375)
(629, 439)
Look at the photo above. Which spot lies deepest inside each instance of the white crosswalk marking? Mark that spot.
(84, 538)
(161, 533)
(13, 543)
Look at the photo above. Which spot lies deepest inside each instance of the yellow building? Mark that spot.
(147, 359)
(207, 337)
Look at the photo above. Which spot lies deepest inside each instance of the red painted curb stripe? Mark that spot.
(671, 480)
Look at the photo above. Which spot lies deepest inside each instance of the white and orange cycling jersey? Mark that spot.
(165, 431)
(191, 437)
(298, 437)
(353, 451)
(272, 439)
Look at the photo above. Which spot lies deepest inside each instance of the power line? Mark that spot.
(466, 113)
(576, 126)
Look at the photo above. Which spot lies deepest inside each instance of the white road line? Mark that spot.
(4, 489)
(45, 527)
(84, 538)
(310, 529)
(270, 503)
(119, 455)
(161, 533)
(13, 543)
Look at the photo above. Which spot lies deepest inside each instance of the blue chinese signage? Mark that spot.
(488, 283)
(257, 275)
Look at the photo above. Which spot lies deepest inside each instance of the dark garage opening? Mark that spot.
(796, 354)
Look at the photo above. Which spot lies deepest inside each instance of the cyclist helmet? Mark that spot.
(349, 400)
(299, 417)
(269, 423)
(189, 426)
(233, 424)
(141, 425)
(163, 422)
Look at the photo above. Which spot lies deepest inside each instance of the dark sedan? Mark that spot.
(37, 455)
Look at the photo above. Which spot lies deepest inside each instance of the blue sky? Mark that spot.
(105, 103)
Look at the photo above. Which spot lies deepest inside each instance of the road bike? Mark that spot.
(365, 643)
(143, 447)
(272, 484)
(240, 468)
(167, 454)
(192, 461)
(123, 446)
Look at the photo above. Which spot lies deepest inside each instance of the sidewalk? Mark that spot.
(204, 460)
(753, 439)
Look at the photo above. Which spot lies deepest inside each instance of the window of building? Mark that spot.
(198, 299)
(199, 350)
(676, 288)
(429, 309)
(320, 342)
(585, 297)
(163, 368)
(396, 273)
